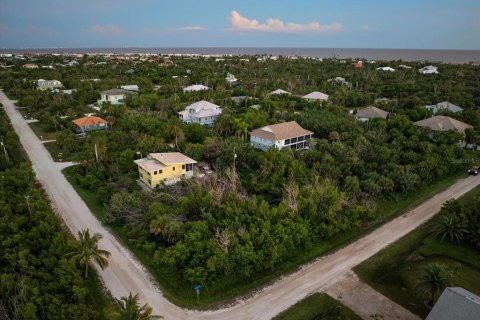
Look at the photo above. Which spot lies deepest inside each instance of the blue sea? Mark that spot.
(447, 56)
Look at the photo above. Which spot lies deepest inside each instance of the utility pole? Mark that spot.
(27, 197)
(96, 152)
(4, 149)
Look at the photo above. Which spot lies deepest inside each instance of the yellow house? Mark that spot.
(167, 168)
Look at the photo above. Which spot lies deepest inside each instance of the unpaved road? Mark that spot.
(126, 275)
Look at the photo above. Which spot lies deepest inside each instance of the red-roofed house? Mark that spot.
(90, 123)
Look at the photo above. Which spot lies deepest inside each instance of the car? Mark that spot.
(473, 171)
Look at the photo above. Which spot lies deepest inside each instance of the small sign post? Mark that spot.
(197, 288)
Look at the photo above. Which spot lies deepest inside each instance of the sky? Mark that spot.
(409, 24)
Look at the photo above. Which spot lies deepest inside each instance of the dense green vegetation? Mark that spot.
(318, 306)
(397, 270)
(37, 280)
(268, 211)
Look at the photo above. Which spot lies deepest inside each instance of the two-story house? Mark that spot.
(282, 135)
(167, 168)
(202, 112)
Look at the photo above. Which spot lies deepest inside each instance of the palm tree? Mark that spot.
(88, 251)
(130, 310)
(448, 226)
(433, 279)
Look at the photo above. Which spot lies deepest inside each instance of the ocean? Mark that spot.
(446, 56)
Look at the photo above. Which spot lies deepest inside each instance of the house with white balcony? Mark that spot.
(114, 96)
(48, 84)
(201, 112)
(281, 135)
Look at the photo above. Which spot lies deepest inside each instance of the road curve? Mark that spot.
(125, 274)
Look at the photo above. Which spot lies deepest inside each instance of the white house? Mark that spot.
(404, 66)
(316, 96)
(390, 69)
(114, 96)
(48, 84)
(282, 135)
(231, 80)
(444, 106)
(202, 112)
(428, 70)
(195, 87)
(279, 92)
(130, 87)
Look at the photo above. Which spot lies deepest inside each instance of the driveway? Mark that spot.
(125, 274)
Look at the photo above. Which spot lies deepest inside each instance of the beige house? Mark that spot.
(279, 136)
(443, 123)
(369, 113)
(167, 168)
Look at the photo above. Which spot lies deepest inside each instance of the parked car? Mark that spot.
(473, 171)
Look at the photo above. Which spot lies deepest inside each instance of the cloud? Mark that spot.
(239, 22)
(368, 28)
(106, 30)
(189, 28)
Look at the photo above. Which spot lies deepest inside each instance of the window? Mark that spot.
(301, 138)
(183, 167)
(149, 181)
(141, 175)
(173, 168)
(154, 173)
(160, 171)
(287, 141)
(293, 140)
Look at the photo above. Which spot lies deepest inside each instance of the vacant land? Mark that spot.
(394, 270)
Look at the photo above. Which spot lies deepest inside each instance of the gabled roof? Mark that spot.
(195, 87)
(442, 123)
(316, 95)
(450, 106)
(88, 121)
(280, 131)
(386, 69)
(456, 303)
(159, 161)
(371, 113)
(115, 92)
(280, 91)
(203, 109)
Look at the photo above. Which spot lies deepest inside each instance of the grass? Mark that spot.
(394, 270)
(177, 291)
(318, 306)
(99, 298)
(41, 131)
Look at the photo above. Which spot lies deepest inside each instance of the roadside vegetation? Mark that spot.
(263, 213)
(318, 306)
(37, 279)
(414, 270)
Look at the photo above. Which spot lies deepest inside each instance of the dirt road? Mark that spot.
(126, 275)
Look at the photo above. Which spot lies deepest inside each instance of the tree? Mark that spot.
(130, 310)
(432, 280)
(88, 251)
(448, 226)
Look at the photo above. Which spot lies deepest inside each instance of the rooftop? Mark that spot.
(371, 113)
(114, 92)
(158, 161)
(316, 95)
(88, 121)
(442, 123)
(456, 303)
(281, 131)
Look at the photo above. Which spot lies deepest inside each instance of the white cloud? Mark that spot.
(189, 28)
(239, 22)
(107, 30)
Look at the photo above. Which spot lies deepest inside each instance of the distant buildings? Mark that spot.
(130, 87)
(428, 70)
(456, 303)
(30, 66)
(167, 168)
(444, 106)
(114, 96)
(316, 96)
(202, 112)
(443, 123)
(89, 123)
(279, 136)
(48, 84)
(231, 80)
(279, 92)
(368, 113)
(195, 88)
(390, 69)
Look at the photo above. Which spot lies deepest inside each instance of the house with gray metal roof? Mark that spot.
(444, 106)
(456, 303)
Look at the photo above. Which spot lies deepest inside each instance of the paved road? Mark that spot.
(126, 275)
